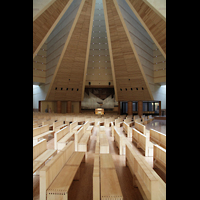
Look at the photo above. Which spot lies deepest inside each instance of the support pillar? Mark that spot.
(130, 107)
(58, 106)
(119, 107)
(69, 105)
(140, 108)
(160, 108)
(79, 106)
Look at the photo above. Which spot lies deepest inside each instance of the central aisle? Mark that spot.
(83, 189)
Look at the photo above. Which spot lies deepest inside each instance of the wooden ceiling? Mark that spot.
(68, 80)
(153, 22)
(129, 79)
(46, 21)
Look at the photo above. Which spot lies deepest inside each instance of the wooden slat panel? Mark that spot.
(43, 24)
(154, 24)
(70, 69)
(125, 62)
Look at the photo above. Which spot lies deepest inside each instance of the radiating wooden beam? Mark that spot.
(45, 21)
(154, 23)
(110, 48)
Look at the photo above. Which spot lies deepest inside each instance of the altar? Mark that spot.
(99, 111)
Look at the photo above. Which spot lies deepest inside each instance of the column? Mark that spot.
(69, 105)
(140, 108)
(160, 108)
(130, 107)
(79, 106)
(119, 107)
(58, 106)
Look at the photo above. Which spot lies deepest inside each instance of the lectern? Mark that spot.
(99, 111)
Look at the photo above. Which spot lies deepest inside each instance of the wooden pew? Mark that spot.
(140, 128)
(96, 173)
(41, 132)
(159, 158)
(119, 122)
(142, 141)
(104, 144)
(74, 127)
(108, 121)
(41, 154)
(112, 129)
(58, 125)
(57, 175)
(151, 186)
(110, 187)
(81, 140)
(88, 128)
(61, 137)
(158, 138)
(150, 118)
(49, 122)
(120, 141)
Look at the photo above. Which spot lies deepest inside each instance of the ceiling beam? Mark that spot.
(154, 23)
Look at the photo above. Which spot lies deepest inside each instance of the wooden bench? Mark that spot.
(96, 173)
(41, 154)
(150, 118)
(158, 138)
(146, 120)
(151, 186)
(110, 187)
(88, 128)
(142, 141)
(58, 125)
(120, 141)
(140, 128)
(49, 122)
(61, 137)
(112, 129)
(57, 175)
(104, 144)
(81, 140)
(159, 158)
(41, 132)
(119, 122)
(74, 127)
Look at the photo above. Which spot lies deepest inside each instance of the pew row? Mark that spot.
(120, 141)
(96, 173)
(81, 140)
(104, 144)
(58, 125)
(110, 187)
(159, 158)
(142, 141)
(74, 127)
(57, 175)
(88, 128)
(41, 132)
(140, 128)
(158, 138)
(151, 186)
(41, 154)
(61, 137)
